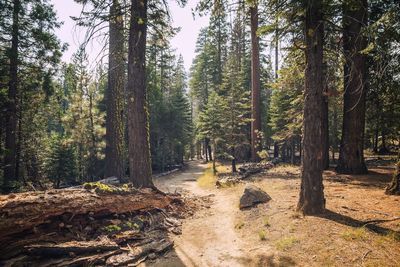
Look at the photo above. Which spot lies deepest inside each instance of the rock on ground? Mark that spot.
(253, 195)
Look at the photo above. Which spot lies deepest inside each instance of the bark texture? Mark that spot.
(138, 125)
(115, 95)
(23, 211)
(10, 173)
(255, 84)
(351, 155)
(394, 187)
(312, 199)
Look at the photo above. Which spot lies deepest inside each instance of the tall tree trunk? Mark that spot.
(255, 84)
(11, 112)
(92, 149)
(214, 160)
(276, 150)
(233, 159)
(351, 156)
(114, 162)
(325, 132)
(312, 199)
(138, 125)
(210, 155)
(205, 148)
(375, 139)
(292, 151)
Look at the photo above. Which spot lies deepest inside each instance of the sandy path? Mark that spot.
(209, 238)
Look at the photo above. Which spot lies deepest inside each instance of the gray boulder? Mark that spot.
(253, 195)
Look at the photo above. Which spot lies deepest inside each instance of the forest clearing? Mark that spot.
(199, 133)
(355, 231)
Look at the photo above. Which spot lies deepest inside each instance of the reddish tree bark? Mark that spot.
(312, 199)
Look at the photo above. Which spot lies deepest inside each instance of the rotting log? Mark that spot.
(24, 211)
(76, 247)
(139, 253)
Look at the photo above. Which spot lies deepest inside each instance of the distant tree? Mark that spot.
(211, 122)
(237, 109)
(61, 162)
(29, 45)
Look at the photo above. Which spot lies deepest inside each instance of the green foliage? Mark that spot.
(61, 162)
(170, 110)
(211, 119)
(287, 100)
(112, 228)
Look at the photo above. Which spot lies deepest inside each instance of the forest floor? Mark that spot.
(361, 226)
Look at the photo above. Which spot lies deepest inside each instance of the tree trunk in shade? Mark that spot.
(11, 105)
(311, 200)
(255, 84)
(325, 132)
(351, 155)
(138, 125)
(114, 162)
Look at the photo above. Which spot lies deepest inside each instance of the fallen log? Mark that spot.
(139, 253)
(75, 247)
(24, 211)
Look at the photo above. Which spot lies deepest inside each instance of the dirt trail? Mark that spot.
(209, 238)
(274, 234)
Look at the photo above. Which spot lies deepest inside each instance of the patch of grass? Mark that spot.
(239, 225)
(354, 234)
(262, 235)
(207, 180)
(286, 243)
(266, 221)
(285, 169)
(131, 225)
(390, 237)
(223, 168)
(112, 228)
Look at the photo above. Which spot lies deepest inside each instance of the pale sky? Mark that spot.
(184, 41)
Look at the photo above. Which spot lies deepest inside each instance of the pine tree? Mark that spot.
(27, 30)
(311, 200)
(237, 109)
(211, 121)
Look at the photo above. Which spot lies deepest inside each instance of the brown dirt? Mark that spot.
(361, 226)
